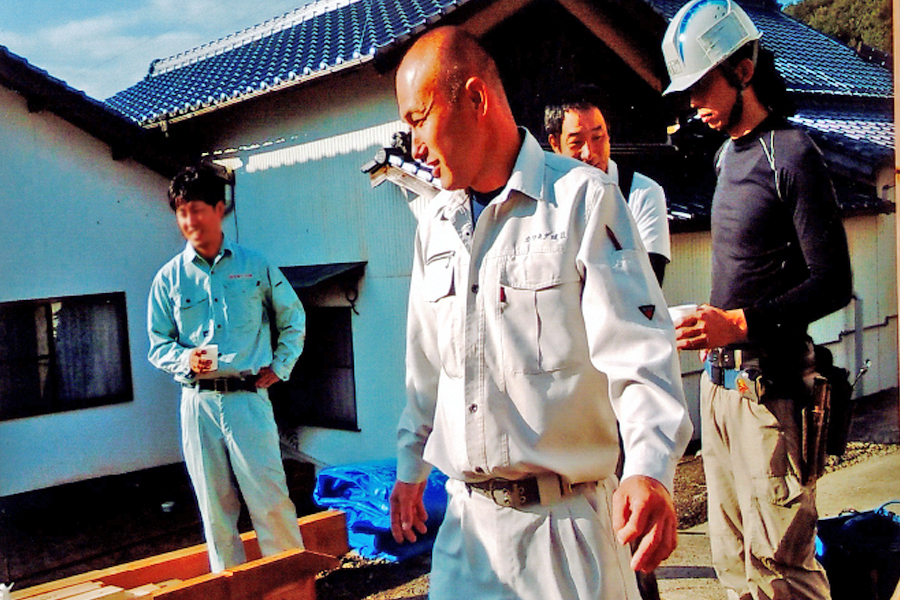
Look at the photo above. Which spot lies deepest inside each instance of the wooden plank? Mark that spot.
(36, 592)
(152, 588)
(59, 594)
(213, 586)
(289, 575)
(111, 592)
(324, 533)
(184, 564)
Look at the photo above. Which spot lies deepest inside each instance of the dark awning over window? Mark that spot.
(310, 275)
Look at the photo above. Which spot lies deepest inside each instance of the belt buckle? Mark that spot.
(509, 494)
(220, 385)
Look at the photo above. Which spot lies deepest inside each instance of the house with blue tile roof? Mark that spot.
(297, 104)
(84, 229)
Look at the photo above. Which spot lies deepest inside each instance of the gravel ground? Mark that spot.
(362, 579)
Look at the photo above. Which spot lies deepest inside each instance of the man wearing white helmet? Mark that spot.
(780, 261)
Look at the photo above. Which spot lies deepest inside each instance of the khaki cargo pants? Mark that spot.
(762, 520)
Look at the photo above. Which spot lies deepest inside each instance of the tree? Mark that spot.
(850, 21)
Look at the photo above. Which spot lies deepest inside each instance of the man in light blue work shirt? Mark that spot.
(209, 325)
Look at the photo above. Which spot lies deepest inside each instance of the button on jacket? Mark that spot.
(530, 332)
(228, 303)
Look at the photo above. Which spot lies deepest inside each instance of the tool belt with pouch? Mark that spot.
(736, 369)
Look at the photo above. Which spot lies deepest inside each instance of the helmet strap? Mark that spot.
(737, 109)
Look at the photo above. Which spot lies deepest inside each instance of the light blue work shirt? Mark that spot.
(229, 302)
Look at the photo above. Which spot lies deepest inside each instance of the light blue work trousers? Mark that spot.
(230, 441)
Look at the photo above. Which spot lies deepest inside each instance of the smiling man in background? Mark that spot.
(209, 327)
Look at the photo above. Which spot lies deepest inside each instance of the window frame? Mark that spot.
(48, 385)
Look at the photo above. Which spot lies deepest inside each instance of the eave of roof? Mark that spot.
(866, 135)
(44, 92)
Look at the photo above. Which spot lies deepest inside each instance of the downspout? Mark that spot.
(896, 53)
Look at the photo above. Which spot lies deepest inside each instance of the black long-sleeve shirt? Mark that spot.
(780, 254)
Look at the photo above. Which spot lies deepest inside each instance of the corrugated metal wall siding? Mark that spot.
(313, 211)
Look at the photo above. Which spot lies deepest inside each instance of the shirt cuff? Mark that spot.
(410, 467)
(660, 467)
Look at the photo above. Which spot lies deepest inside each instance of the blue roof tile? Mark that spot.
(322, 36)
(863, 133)
(334, 34)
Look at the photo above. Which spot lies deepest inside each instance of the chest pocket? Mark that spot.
(192, 316)
(541, 323)
(439, 288)
(243, 304)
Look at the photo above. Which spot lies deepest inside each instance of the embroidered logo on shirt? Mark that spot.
(648, 310)
(241, 276)
(559, 235)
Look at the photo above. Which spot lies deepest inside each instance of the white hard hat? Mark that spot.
(701, 35)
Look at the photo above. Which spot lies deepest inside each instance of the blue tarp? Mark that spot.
(362, 491)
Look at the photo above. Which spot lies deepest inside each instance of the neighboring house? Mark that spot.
(84, 228)
(298, 104)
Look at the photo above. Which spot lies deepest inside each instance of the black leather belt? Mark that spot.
(519, 493)
(225, 384)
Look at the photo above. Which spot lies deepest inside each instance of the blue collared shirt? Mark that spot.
(230, 303)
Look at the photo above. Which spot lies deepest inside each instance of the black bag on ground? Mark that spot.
(861, 553)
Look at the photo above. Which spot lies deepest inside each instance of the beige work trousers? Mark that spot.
(566, 551)
(762, 520)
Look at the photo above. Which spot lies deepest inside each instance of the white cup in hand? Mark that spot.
(681, 311)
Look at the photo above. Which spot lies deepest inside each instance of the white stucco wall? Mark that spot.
(76, 222)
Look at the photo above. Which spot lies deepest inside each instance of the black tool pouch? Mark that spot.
(814, 427)
(841, 404)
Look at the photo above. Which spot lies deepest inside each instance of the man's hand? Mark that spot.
(711, 327)
(643, 512)
(408, 511)
(266, 377)
(199, 362)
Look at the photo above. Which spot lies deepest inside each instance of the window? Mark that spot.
(321, 390)
(63, 354)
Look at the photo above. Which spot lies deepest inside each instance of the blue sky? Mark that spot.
(105, 46)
